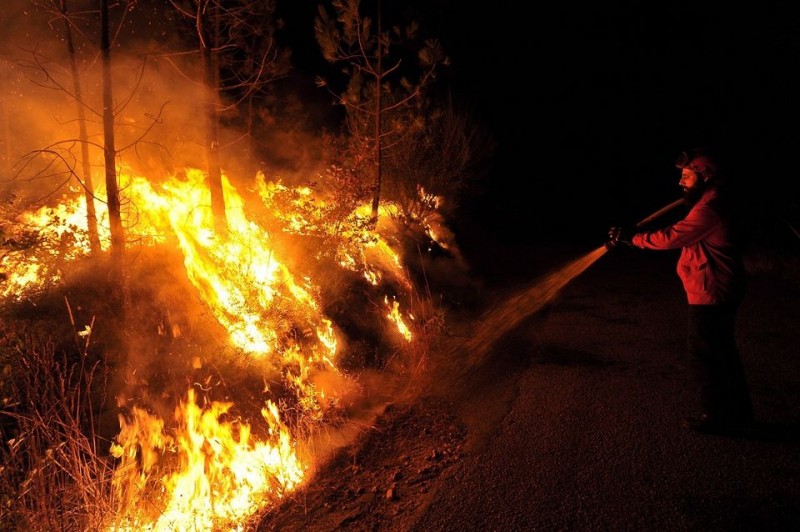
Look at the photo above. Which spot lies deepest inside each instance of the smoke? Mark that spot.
(160, 105)
(170, 340)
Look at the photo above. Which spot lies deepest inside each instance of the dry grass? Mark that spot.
(55, 435)
(56, 473)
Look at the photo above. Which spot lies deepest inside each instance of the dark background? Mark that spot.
(591, 103)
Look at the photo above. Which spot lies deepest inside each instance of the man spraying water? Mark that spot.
(504, 317)
(711, 269)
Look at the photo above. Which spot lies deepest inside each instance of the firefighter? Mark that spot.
(713, 276)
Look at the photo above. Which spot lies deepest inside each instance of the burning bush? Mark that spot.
(226, 356)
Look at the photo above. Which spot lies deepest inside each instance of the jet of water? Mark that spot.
(498, 321)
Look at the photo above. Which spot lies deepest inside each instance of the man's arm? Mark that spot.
(700, 221)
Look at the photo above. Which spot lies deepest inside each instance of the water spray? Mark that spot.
(504, 317)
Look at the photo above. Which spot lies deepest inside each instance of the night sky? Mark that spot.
(591, 104)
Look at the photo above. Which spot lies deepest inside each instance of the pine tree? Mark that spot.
(380, 87)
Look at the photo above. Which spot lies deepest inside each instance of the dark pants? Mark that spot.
(724, 393)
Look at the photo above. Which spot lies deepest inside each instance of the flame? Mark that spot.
(394, 316)
(207, 468)
(50, 236)
(238, 275)
(221, 475)
(358, 248)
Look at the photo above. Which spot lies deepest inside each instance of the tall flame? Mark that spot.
(208, 468)
(221, 475)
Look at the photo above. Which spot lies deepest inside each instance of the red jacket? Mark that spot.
(710, 264)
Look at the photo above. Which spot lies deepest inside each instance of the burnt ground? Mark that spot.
(573, 420)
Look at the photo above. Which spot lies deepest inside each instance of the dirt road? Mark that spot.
(573, 423)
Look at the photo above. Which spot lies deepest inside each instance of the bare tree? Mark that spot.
(6, 138)
(44, 163)
(88, 185)
(109, 149)
(238, 56)
(379, 86)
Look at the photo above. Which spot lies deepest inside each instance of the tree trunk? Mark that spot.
(109, 152)
(6, 139)
(248, 156)
(212, 140)
(376, 194)
(88, 185)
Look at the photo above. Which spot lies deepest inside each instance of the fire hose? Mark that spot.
(661, 212)
(615, 234)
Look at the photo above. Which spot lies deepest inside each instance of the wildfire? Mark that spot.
(238, 275)
(209, 468)
(395, 316)
(221, 476)
(56, 234)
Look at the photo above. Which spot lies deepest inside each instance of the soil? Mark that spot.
(384, 478)
(572, 421)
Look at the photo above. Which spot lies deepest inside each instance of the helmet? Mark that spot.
(699, 162)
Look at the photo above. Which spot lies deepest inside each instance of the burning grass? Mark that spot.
(226, 363)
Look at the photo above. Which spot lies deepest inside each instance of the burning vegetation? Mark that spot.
(240, 353)
(183, 343)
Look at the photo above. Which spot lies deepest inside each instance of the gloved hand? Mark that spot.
(619, 237)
